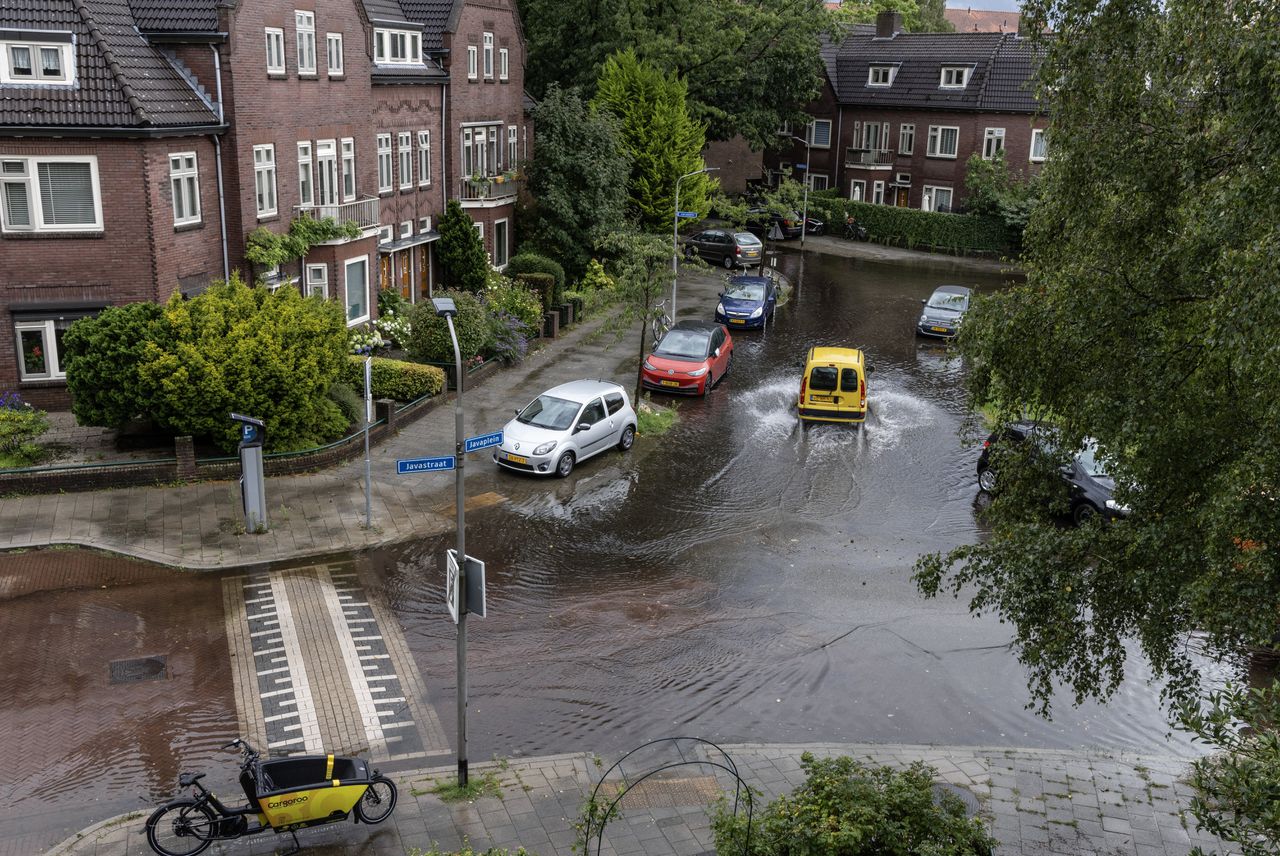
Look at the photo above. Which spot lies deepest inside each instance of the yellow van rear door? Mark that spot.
(850, 390)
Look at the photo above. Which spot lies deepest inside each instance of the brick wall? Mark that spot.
(736, 163)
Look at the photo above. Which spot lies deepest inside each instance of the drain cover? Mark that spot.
(141, 669)
(971, 804)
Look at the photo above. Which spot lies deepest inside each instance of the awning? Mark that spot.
(411, 241)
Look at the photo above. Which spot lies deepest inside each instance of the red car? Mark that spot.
(689, 359)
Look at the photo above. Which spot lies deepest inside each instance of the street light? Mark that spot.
(675, 235)
(446, 309)
(804, 216)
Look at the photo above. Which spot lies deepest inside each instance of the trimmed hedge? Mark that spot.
(396, 379)
(525, 263)
(541, 284)
(958, 234)
(429, 340)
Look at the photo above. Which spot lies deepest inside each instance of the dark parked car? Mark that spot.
(722, 247)
(944, 311)
(760, 222)
(747, 301)
(1092, 489)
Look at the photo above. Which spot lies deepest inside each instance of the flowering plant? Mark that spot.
(20, 423)
(394, 327)
(477, 360)
(509, 340)
(364, 340)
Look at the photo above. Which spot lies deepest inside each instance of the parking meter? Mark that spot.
(253, 493)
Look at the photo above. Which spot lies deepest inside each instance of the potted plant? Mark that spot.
(480, 184)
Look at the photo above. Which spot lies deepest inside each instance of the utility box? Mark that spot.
(253, 492)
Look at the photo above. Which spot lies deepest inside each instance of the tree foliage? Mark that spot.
(749, 66)
(918, 16)
(578, 179)
(102, 355)
(463, 261)
(658, 135)
(641, 267)
(429, 339)
(994, 191)
(1147, 321)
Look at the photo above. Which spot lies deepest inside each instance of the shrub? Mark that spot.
(364, 339)
(461, 250)
(849, 808)
(524, 263)
(348, 401)
(429, 335)
(508, 337)
(20, 423)
(397, 379)
(595, 279)
(102, 355)
(505, 297)
(912, 228)
(541, 284)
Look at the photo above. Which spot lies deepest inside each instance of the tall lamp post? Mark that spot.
(675, 235)
(804, 216)
(446, 309)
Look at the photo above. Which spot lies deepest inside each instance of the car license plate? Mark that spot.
(517, 459)
(737, 320)
(671, 383)
(825, 398)
(938, 329)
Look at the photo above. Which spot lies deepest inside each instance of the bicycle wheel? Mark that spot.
(378, 801)
(181, 828)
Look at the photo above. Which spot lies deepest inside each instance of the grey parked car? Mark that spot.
(566, 425)
(944, 311)
(722, 247)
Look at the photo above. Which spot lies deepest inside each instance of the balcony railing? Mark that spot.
(496, 188)
(363, 211)
(868, 158)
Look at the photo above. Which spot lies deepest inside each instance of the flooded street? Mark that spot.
(740, 579)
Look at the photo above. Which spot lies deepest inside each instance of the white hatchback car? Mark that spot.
(566, 425)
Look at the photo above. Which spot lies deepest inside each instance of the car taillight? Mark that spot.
(737, 251)
(804, 383)
(986, 443)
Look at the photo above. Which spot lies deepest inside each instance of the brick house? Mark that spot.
(143, 141)
(901, 113)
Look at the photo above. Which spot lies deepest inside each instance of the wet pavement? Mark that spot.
(743, 578)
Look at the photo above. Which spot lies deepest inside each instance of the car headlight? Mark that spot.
(545, 448)
(698, 372)
(720, 309)
(648, 365)
(1117, 507)
(759, 311)
(924, 319)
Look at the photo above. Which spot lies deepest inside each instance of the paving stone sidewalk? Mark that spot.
(1035, 802)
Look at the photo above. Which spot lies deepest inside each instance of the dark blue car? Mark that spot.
(747, 301)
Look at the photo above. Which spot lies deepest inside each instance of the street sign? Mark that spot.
(688, 215)
(800, 166)
(475, 586)
(484, 441)
(424, 465)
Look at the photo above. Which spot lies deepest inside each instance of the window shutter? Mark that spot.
(66, 194)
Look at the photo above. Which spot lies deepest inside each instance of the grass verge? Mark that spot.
(653, 420)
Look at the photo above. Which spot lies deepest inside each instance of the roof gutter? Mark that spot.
(84, 132)
(157, 37)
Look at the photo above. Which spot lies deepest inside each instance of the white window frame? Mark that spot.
(424, 225)
(513, 147)
(313, 281)
(333, 51)
(812, 132)
(397, 47)
(348, 157)
(275, 50)
(386, 181)
(504, 64)
(346, 289)
(35, 46)
(306, 180)
(404, 158)
(934, 149)
(930, 192)
(881, 75)
(327, 173)
(992, 143)
(386, 234)
(877, 193)
(1037, 134)
(406, 229)
(857, 190)
(304, 25)
(954, 76)
(473, 62)
(480, 229)
(815, 178)
(907, 139)
(488, 56)
(49, 342)
(264, 180)
(506, 243)
(184, 187)
(25, 172)
(424, 158)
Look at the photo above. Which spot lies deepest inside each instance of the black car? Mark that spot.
(722, 247)
(944, 311)
(760, 222)
(1092, 489)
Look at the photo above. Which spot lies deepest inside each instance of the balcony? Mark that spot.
(363, 211)
(491, 191)
(868, 158)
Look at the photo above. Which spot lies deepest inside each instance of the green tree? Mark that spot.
(749, 66)
(658, 135)
(102, 355)
(578, 179)
(918, 16)
(463, 261)
(273, 355)
(641, 267)
(992, 190)
(1147, 321)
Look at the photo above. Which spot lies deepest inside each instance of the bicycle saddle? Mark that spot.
(186, 780)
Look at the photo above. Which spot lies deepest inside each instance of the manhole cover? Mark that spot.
(971, 804)
(141, 669)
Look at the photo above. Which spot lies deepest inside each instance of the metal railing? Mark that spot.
(363, 211)
(868, 157)
(493, 188)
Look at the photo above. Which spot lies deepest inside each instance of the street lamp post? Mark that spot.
(808, 169)
(675, 235)
(446, 309)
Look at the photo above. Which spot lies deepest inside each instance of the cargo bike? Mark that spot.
(284, 795)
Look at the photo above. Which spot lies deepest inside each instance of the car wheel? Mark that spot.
(627, 439)
(987, 480)
(728, 262)
(1083, 513)
(728, 366)
(710, 383)
(564, 466)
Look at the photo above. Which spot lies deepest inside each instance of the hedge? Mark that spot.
(394, 378)
(429, 340)
(959, 234)
(526, 263)
(542, 284)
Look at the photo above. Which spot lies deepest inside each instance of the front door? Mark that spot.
(902, 197)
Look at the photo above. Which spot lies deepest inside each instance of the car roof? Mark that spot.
(835, 355)
(745, 238)
(953, 289)
(583, 390)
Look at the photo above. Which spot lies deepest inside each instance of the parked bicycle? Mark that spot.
(659, 320)
(284, 795)
(853, 230)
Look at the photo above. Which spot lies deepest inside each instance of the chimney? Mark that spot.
(888, 24)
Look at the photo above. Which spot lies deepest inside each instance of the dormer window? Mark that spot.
(44, 58)
(955, 76)
(397, 47)
(881, 75)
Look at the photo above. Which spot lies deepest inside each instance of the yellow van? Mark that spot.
(834, 386)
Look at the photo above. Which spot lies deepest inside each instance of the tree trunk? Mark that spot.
(644, 330)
